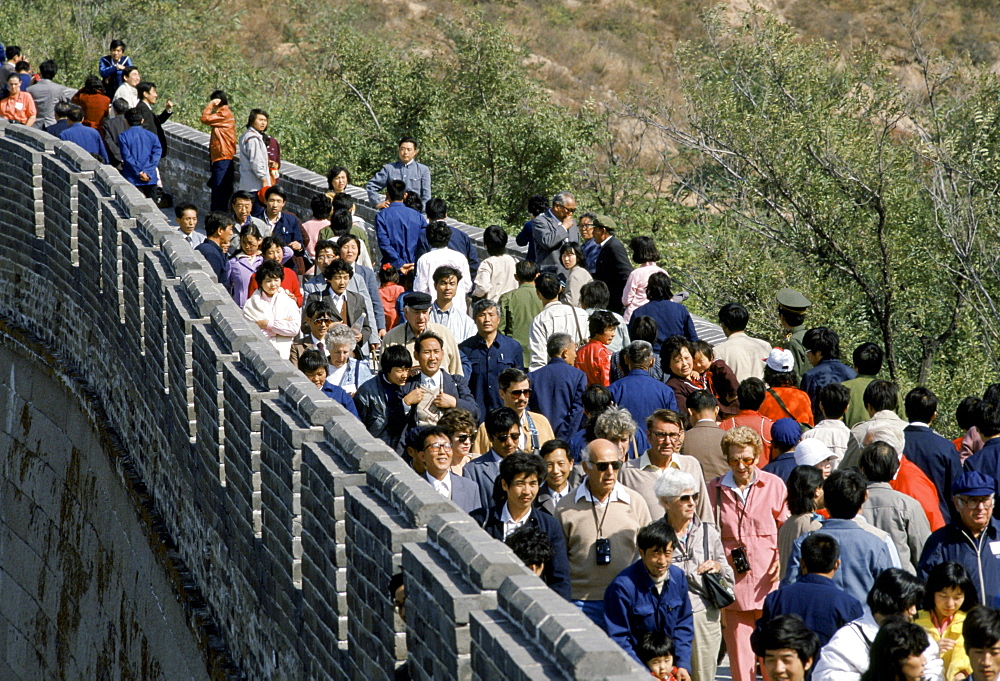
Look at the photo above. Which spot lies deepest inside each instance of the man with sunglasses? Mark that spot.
(665, 431)
(319, 320)
(553, 228)
(600, 520)
(504, 432)
(515, 391)
(435, 455)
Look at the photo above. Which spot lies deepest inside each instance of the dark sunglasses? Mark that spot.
(464, 437)
(603, 465)
(508, 436)
(519, 393)
(689, 497)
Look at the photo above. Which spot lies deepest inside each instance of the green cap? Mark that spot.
(605, 221)
(792, 300)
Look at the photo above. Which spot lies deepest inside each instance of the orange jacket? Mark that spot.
(222, 143)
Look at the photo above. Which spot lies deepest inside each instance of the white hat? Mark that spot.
(780, 360)
(811, 452)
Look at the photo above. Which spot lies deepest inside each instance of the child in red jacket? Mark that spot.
(594, 358)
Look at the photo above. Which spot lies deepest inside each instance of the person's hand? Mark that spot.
(120, 67)
(380, 206)
(373, 347)
(773, 571)
(144, 177)
(709, 566)
(216, 102)
(295, 246)
(406, 269)
(381, 333)
(445, 401)
(357, 336)
(170, 105)
(946, 644)
(262, 323)
(413, 397)
(683, 675)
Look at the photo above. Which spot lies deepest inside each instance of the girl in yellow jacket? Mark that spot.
(949, 594)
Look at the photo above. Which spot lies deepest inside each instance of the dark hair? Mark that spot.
(438, 233)
(436, 209)
(553, 445)
(134, 117)
(23, 66)
(480, 306)
(949, 574)
(530, 544)
(751, 393)
(523, 463)
(321, 206)
(395, 190)
(793, 319)
(120, 106)
(269, 270)
(881, 395)
(965, 412)
(311, 360)
(500, 421)
(896, 640)
(981, 628)
(538, 204)
(275, 191)
(495, 240)
(988, 419)
(128, 70)
(868, 359)
(671, 347)
(331, 175)
(93, 85)
(426, 336)
(62, 109)
(346, 239)
(240, 194)
(658, 287)
(340, 222)
(786, 632)
(601, 321)
(701, 400)
(921, 405)
(395, 357)
(318, 305)
(270, 242)
(215, 222)
(879, 462)
(734, 317)
(833, 400)
(144, 87)
(802, 483)
(525, 271)
(642, 328)
(387, 274)
(594, 295)
(181, 208)
(444, 272)
(116, 43)
(844, 492)
(48, 69)
(704, 348)
(404, 140)
(644, 249)
(596, 399)
(992, 393)
(327, 243)
(75, 113)
(895, 591)
(336, 267)
(547, 285)
(412, 201)
(823, 340)
(656, 535)
(664, 416)
(253, 116)
(457, 420)
(820, 552)
(343, 201)
(427, 431)
(221, 96)
(510, 375)
(250, 229)
(654, 644)
(574, 248)
(778, 379)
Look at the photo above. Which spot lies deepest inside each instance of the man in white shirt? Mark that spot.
(744, 355)
(435, 456)
(555, 317)
(438, 235)
(832, 431)
(446, 309)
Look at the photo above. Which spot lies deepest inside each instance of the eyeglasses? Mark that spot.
(973, 502)
(603, 465)
(323, 320)
(567, 208)
(687, 498)
(514, 437)
(746, 461)
(660, 435)
(438, 447)
(464, 437)
(520, 393)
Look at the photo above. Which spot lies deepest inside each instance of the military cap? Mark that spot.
(792, 300)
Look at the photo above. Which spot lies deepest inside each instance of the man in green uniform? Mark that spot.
(792, 307)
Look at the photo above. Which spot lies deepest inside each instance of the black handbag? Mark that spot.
(716, 589)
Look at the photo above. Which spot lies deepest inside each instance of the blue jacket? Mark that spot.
(579, 440)
(556, 571)
(483, 470)
(952, 542)
(823, 374)
(217, 260)
(672, 319)
(937, 458)
(632, 607)
(642, 394)
(482, 367)
(557, 394)
(141, 152)
(863, 556)
(526, 237)
(289, 229)
(987, 461)
(459, 242)
(591, 249)
(398, 229)
(86, 138)
(782, 466)
(340, 396)
(818, 601)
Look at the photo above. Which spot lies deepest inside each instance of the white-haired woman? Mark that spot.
(698, 550)
(345, 371)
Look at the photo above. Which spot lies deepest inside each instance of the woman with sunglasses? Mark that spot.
(749, 505)
(698, 550)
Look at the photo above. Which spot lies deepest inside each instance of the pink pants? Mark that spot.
(737, 625)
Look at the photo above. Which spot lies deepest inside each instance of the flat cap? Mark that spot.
(416, 300)
(605, 221)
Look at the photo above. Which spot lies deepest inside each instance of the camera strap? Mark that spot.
(593, 508)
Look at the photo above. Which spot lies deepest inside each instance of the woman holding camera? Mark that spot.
(750, 506)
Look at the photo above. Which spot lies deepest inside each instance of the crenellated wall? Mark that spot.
(270, 517)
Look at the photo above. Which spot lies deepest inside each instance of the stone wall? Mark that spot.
(279, 517)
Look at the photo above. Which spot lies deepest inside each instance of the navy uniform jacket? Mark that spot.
(340, 396)
(987, 461)
(632, 607)
(642, 394)
(398, 228)
(556, 571)
(823, 374)
(817, 600)
(289, 229)
(613, 267)
(672, 319)
(937, 458)
(557, 394)
(953, 542)
(482, 367)
(380, 407)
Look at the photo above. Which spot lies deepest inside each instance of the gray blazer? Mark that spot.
(464, 493)
(550, 235)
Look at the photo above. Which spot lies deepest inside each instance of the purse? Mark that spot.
(716, 588)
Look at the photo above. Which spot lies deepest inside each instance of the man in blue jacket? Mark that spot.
(398, 229)
(934, 455)
(652, 595)
(823, 352)
(141, 151)
(557, 388)
(637, 391)
(487, 354)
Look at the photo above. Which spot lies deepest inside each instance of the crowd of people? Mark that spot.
(767, 501)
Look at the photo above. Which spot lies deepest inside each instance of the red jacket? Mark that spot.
(913, 482)
(594, 358)
(290, 282)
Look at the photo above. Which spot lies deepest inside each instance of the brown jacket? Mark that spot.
(703, 441)
(222, 142)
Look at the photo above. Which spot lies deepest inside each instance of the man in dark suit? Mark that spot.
(435, 455)
(613, 265)
(432, 389)
(521, 474)
(150, 121)
(557, 388)
(550, 232)
(318, 319)
(348, 307)
(933, 454)
(504, 430)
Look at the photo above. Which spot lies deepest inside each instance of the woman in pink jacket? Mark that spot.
(643, 251)
(750, 506)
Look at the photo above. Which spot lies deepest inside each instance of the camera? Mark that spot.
(740, 561)
(604, 551)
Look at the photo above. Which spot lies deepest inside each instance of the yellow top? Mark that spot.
(955, 660)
